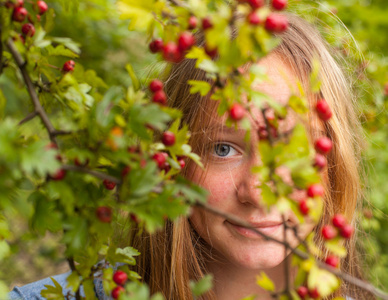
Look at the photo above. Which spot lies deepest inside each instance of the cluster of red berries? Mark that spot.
(339, 226)
(314, 190)
(158, 95)
(174, 51)
(274, 22)
(161, 160)
(120, 278)
(61, 173)
(303, 292)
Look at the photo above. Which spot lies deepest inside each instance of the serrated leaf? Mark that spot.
(73, 281)
(265, 282)
(325, 281)
(202, 286)
(53, 292)
(198, 86)
(336, 248)
(61, 51)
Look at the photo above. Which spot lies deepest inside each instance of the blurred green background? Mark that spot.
(357, 29)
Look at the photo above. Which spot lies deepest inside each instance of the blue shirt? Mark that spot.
(32, 290)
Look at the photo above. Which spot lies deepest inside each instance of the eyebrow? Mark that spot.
(220, 128)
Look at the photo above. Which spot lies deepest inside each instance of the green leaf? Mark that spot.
(61, 51)
(139, 12)
(268, 197)
(123, 255)
(198, 86)
(45, 216)
(132, 74)
(323, 280)
(298, 104)
(53, 292)
(73, 281)
(5, 250)
(265, 282)
(68, 43)
(202, 286)
(336, 248)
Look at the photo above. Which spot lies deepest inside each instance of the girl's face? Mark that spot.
(233, 188)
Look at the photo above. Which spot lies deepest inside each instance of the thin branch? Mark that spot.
(286, 266)
(346, 277)
(29, 117)
(1, 48)
(91, 172)
(71, 263)
(31, 90)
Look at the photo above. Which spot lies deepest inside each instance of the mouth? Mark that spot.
(266, 228)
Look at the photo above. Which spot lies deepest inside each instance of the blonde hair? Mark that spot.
(175, 255)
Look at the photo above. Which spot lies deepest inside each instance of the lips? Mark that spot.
(265, 227)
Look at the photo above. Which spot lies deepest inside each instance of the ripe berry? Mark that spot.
(171, 52)
(320, 161)
(160, 159)
(109, 185)
(237, 112)
(323, 145)
(160, 97)
(156, 45)
(302, 291)
(323, 110)
(42, 7)
(347, 231)
(156, 85)
(68, 66)
(120, 277)
(182, 163)
(339, 221)
(192, 23)
(104, 214)
(276, 23)
(185, 41)
(168, 138)
(279, 4)
(28, 29)
(19, 14)
(314, 294)
(206, 23)
(332, 261)
(125, 171)
(117, 291)
(166, 167)
(328, 232)
(303, 207)
(212, 53)
(253, 18)
(262, 132)
(59, 175)
(255, 4)
(315, 190)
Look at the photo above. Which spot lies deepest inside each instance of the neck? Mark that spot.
(232, 283)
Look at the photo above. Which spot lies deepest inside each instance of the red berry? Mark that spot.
(68, 66)
(237, 112)
(339, 221)
(42, 7)
(302, 291)
(171, 52)
(19, 14)
(347, 231)
(323, 110)
(59, 175)
(206, 23)
(332, 261)
(212, 53)
(168, 138)
(51, 146)
(279, 4)
(323, 145)
(182, 163)
(156, 85)
(120, 277)
(104, 214)
(160, 97)
(160, 159)
(262, 132)
(117, 291)
(253, 18)
(314, 294)
(109, 185)
(125, 171)
(134, 218)
(156, 45)
(328, 232)
(255, 4)
(185, 41)
(303, 207)
(276, 23)
(166, 167)
(320, 161)
(315, 190)
(192, 23)
(28, 29)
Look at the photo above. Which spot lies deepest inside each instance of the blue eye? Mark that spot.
(223, 150)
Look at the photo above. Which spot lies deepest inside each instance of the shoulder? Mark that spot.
(32, 290)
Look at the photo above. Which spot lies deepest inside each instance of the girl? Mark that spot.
(206, 243)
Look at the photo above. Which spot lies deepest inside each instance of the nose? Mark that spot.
(248, 189)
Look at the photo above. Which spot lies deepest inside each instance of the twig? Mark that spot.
(71, 263)
(91, 172)
(31, 90)
(1, 48)
(346, 277)
(286, 267)
(29, 117)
